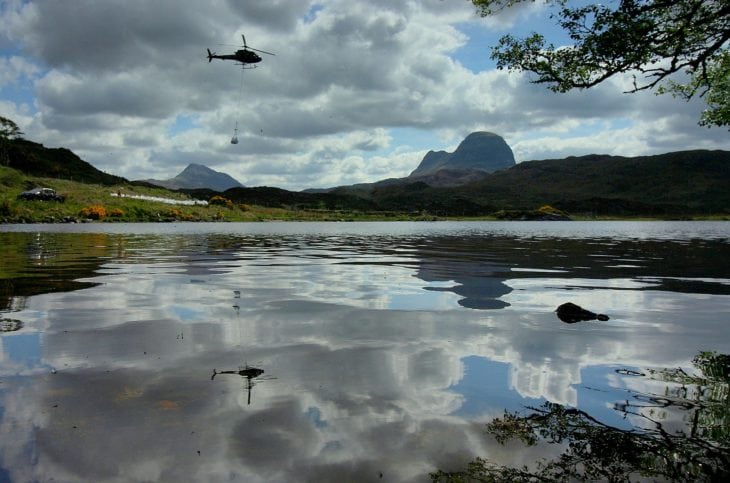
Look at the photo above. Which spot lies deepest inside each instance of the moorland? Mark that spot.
(679, 185)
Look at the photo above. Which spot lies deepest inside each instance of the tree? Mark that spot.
(8, 129)
(652, 39)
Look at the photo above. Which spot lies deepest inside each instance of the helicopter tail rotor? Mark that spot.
(210, 55)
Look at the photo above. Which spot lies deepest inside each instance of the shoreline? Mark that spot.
(334, 217)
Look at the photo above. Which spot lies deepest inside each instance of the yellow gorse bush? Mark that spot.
(95, 212)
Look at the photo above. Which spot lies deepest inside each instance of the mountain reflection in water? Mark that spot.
(392, 344)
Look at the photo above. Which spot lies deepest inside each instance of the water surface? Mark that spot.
(128, 350)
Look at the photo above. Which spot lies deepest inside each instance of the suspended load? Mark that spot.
(245, 57)
(234, 139)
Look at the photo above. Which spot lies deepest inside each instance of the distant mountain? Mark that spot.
(480, 151)
(671, 184)
(197, 176)
(479, 154)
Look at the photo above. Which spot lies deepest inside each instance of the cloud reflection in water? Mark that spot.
(385, 351)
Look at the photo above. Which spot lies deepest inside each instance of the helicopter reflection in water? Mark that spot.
(250, 373)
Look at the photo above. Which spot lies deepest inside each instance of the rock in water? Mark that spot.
(481, 150)
(571, 313)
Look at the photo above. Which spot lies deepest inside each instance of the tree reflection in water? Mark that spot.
(700, 451)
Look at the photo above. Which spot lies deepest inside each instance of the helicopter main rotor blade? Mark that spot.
(243, 37)
(262, 51)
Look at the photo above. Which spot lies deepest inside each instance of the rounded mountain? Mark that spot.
(481, 150)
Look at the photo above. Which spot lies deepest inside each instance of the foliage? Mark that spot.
(709, 391)
(654, 38)
(116, 213)
(10, 178)
(178, 214)
(717, 75)
(218, 200)
(8, 129)
(549, 210)
(545, 212)
(595, 451)
(95, 212)
(6, 208)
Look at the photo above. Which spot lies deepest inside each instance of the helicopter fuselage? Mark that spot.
(243, 56)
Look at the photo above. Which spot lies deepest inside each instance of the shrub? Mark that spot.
(244, 207)
(6, 209)
(549, 210)
(95, 212)
(220, 201)
(142, 214)
(10, 177)
(116, 213)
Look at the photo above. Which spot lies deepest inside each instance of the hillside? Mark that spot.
(280, 198)
(37, 160)
(680, 184)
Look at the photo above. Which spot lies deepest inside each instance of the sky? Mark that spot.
(356, 91)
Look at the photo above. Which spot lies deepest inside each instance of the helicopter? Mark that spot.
(246, 55)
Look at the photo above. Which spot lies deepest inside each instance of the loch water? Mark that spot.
(343, 351)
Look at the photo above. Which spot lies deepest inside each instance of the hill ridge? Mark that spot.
(691, 182)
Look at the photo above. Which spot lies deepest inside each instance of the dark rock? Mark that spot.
(10, 325)
(571, 313)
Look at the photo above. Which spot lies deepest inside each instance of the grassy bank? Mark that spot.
(92, 202)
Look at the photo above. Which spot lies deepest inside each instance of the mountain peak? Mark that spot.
(194, 169)
(480, 150)
(199, 176)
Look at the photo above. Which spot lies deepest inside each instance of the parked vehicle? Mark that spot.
(43, 194)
